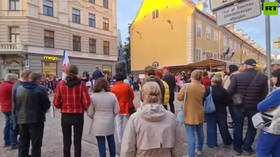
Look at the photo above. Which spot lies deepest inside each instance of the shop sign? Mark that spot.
(50, 58)
(217, 4)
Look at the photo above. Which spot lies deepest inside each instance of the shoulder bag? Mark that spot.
(181, 114)
(209, 105)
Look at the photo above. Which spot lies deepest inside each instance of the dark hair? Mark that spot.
(101, 84)
(149, 70)
(120, 76)
(232, 68)
(205, 73)
(35, 77)
(276, 73)
(72, 72)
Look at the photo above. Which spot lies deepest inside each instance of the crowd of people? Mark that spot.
(154, 128)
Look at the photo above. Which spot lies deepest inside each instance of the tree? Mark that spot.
(126, 53)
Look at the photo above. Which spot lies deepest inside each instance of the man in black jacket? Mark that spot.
(31, 105)
(250, 87)
(170, 80)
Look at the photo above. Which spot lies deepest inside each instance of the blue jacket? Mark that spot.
(272, 101)
(96, 75)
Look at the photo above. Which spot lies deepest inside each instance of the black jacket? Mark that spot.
(170, 80)
(31, 104)
(221, 98)
(251, 95)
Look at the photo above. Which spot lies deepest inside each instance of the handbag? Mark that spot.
(131, 108)
(209, 105)
(262, 120)
(238, 98)
(181, 114)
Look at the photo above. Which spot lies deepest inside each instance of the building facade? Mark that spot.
(34, 34)
(178, 32)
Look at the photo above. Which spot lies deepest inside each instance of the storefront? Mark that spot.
(49, 65)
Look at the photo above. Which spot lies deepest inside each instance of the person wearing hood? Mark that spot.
(269, 138)
(152, 131)
(72, 97)
(6, 107)
(31, 105)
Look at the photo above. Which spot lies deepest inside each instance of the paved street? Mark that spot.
(53, 146)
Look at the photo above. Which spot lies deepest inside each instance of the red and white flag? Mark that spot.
(65, 64)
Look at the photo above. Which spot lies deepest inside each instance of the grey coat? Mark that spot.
(103, 109)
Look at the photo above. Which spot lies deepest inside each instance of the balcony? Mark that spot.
(10, 48)
(4, 13)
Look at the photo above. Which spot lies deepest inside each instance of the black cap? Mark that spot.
(251, 62)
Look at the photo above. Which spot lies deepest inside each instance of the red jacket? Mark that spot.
(125, 96)
(206, 82)
(6, 96)
(71, 97)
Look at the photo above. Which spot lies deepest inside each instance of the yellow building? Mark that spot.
(176, 32)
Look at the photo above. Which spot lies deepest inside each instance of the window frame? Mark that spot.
(225, 41)
(76, 18)
(14, 36)
(106, 47)
(155, 14)
(198, 55)
(198, 28)
(106, 4)
(92, 21)
(92, 45)
(15, 4)
(106, 24)
(216, 35)
(48, 7)
(49, 41)
(77, 43)
(208, 34)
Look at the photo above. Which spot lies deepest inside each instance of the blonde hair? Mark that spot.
(151, 93)
(217, 79)
(197, 75)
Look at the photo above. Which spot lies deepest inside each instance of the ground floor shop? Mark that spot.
(50, 65)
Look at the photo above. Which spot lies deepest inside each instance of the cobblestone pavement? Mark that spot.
(53, 146)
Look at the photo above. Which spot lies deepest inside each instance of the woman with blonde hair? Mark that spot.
(152, 131)
(193, 110)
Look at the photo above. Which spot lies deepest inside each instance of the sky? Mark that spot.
(255, 28)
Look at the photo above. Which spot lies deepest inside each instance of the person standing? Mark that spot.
(97, 74)
(269, 138)
(32, 103)
(170, 80)
(152, 131)
(193, 111)
(249, 88)
(158, 73)
(71, 96)
(103, 109)
(125, 96)
(206, 80)
(221, 99)
(6, 107)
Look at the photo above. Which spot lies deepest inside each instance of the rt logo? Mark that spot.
(270, 8)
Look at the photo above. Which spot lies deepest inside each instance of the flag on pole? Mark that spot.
(227, 52)
(65, 64)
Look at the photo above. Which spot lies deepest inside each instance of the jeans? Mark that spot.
(191, 129)
(9, 137)
(102, 145)
(77, 122)
(239, 116)
(171, 101)
(212, 120)
(33, 132)
(268, 145)
(120, 127)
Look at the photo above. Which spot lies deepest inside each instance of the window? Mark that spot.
(105, 3)
(106, 47)
(225, 41)
(76, 43)
(208, 33)
(48, 7)
(155, 14)
(14, 5)
(92, 1)
(76, 16)
(197, 55)
(216, 35)
(230, 44)
(91, 20)
(105, 23)
(14, 34)
(198, 29)
(92, 45)
(49, 39)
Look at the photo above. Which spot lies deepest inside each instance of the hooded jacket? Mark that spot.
(32, 103)
(153, 132)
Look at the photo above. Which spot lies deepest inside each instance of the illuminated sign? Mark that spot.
(50, 58)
